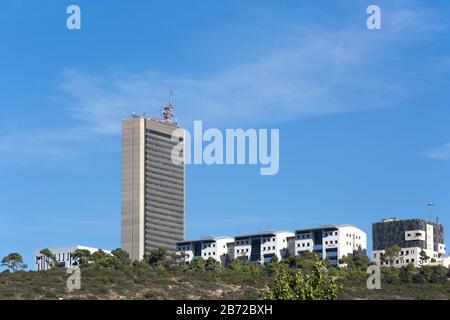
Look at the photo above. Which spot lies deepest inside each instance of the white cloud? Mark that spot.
(439, 153)
(311, 72)
(318, 72)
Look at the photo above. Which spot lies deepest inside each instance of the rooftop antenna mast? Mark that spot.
(430, 206)
(171, 97)
(167, 111)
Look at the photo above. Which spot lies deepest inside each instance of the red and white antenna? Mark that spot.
(167, 111)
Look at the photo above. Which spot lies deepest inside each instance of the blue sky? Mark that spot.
(363, 115)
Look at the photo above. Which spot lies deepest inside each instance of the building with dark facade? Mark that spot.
(413, 236)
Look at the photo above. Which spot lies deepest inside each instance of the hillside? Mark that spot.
(135, 283)
(168, 276)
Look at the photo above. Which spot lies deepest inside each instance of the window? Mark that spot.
(237, 250)
(273, 248)
(303, 244)
(335, 241)
(246, 250)
(326, 242)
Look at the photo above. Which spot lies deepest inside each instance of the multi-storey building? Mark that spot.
(412, 236)
(153, 201)
(262, 246)
(330, 241)
(64, 257)
(211, 247)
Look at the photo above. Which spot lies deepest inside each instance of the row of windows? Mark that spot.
(348, 235)
(154, 161)
(242, 251)
(208, 245)
(331, 242)
(165, 172)
(397, 262)
(160, 209)
(417, 234)
(160, 200)
(268, 248)
(164, 179)
(241, 242)
(209, 253)
(152, 217)
(165, 188)
(171, 197)
(303, 245)
(59, 256)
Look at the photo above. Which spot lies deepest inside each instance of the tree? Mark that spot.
(83, 257)
(423, 256)
(13, 262)
(197, 264)
(212, 264)
(358, 261)
(156, 257)
(122, 256)
(102, 259)
(391, 254)
(180, 259)
(237, 266)
(407, 273)
(316, 284)
(50, 256)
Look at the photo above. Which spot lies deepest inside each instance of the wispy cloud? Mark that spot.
(316, 72)
(310, 72)
(439, 153)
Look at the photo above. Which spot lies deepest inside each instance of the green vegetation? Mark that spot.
(296, 284)
(162, 275)
(13, 262)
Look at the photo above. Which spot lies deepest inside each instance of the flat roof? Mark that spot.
(325, 226)
(204, 239)
(262, 233)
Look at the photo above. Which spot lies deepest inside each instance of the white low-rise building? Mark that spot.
(331, 241)
(64, 257)
(261, 247)
(210, 247)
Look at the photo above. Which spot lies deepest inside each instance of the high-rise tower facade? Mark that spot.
(153, 199)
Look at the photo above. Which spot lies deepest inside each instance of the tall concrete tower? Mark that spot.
(153, 199)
